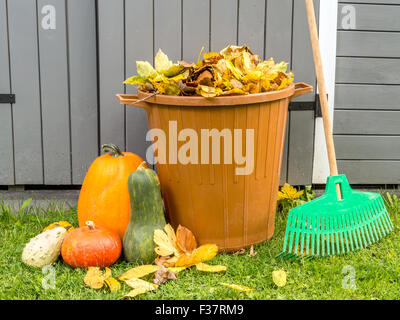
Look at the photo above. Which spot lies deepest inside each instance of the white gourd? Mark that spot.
(45, 248)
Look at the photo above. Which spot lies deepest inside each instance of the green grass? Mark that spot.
(377, 268)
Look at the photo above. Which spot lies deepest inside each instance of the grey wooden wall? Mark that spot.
(367, 111)
(65, 80)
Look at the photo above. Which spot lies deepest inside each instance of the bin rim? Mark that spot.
(291, 92)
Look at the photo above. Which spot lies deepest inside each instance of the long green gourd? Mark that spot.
(147, 215)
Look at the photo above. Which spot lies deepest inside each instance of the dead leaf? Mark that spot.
(252, 252)
(205, 78)
(279, 277)
(207, 268)
(185, 240)
(139, 287)
(240, 252)
(163, 275)
(138, 272)
(112, 284)
(166, 242)
(201, 254)
(95, 277)
(237, 287)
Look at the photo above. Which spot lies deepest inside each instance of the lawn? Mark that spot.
(377, 269)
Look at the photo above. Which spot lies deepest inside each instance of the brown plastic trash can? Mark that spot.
(219, 206)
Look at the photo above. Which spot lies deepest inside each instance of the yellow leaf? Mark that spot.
(139, 287)
(177, 269)
(237, 287)
(201, 254)
(207, 268)
(162, 62)
(135, 283)
(279, 277)
(136, 292)
(112, 284)
(95, 277)
(166, 242)
(138, 272)
(145, 69)
(210, 55)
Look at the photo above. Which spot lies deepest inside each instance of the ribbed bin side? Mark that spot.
(210, 199)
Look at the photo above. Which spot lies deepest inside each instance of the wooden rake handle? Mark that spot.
(312, 23)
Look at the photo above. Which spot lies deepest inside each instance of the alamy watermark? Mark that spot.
(349, 17)
(349, 280)
(188, 152)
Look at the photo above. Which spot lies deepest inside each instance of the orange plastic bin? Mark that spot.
(219, 206)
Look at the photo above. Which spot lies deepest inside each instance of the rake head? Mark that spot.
(328, 226)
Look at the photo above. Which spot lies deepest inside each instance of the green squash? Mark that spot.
(147, 215)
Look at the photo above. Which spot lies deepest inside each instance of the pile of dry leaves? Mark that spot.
(233, 71)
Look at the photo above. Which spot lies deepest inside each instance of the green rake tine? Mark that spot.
(287, 231)
(304, 226)
(348, 228)
(337, 234)
(372, 224)
(357, 228)
(308, 236)
(377, 223)
(378, 219)
(343, 224)
(313, 226)
(318, 236)
(362, 228)
(340, 234)
(367, 225)
(298, 227)
(386, 214)
(384, 218)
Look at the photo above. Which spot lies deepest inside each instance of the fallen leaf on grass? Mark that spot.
(279, 277)
(166, 242)
(207, 268)
(201, 254)
(138, 272)
(163, 275)
(95, 277)
(112, 284)
(237, 287)
(252, 252)
(240, 252)
(139, 287)
(185, 240)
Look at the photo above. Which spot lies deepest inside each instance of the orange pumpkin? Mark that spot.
(104, 198)
(91, 246)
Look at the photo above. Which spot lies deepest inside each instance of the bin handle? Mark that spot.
(301, 88)
(132, 100)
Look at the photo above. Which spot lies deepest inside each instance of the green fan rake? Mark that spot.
(342, 220)
(328, 226)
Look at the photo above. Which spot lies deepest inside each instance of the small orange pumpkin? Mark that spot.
(91, 246)
(104, 198)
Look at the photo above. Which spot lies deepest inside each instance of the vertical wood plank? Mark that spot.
(196, 28)
(6, 140)
(278, 45)
(302, 124)
(83, 86)
(111, 70)
(224, 18)
(168, 27)
(139, 47)
(25, 81)
(252, 25)
(55, 96)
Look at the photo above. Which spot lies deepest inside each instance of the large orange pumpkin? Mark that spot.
(104, 198)
(91, 246)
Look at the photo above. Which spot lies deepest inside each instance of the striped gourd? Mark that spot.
(147, 215)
